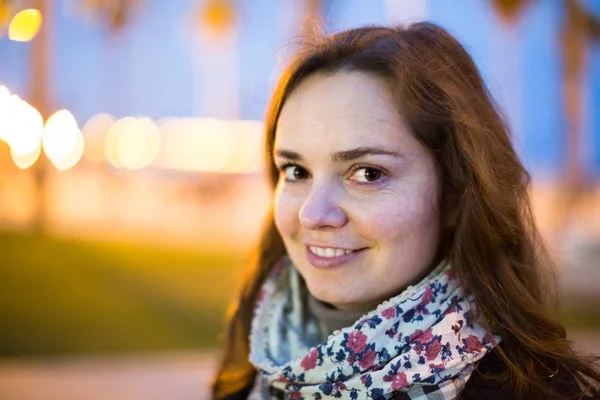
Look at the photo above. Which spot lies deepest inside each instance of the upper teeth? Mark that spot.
(328, 252)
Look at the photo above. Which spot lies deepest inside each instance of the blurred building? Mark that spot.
(219, 60)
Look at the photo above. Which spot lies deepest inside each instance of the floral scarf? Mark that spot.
(422, 343)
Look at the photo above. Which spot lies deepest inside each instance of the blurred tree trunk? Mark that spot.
(510, 10)
(578, 28)
(40, 64)
(39, 97)
(116, 14)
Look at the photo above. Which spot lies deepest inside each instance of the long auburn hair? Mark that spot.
(487, 229)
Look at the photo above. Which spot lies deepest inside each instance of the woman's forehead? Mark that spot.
(343, 110)
(344, 96)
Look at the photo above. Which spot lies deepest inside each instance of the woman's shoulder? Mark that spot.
(480, 386)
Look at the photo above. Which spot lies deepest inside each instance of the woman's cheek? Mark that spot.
(286, 210)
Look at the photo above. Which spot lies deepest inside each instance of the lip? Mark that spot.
(331, 262)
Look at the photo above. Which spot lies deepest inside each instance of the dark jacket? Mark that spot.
(478, 387)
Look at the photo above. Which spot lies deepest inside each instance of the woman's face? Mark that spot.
(356, 201)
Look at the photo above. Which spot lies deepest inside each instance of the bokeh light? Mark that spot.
(138, 144)
(200, 145)
(111, 141)
(24, 161)
(94, 131)
(9, 117)
(248, 157)
(4, 115)
(132, 143)
(61, 134)
(73, 157)
(25, 25)
(166, 127)
(21, 125)
(24, 128)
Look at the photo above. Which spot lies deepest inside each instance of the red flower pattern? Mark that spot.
(450, 310)
(351, 358)
(434, 349)
(416, 334)
(310, 360)
(428, 296)
(357, 341)
(354, 348)
(368, 359)
(421, 337)
(418, 348)
(473, 344)
(399, 381)
(388, 313)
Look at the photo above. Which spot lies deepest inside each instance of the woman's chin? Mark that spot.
(342, 301)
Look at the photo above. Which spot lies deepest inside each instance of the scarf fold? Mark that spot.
(423, 342)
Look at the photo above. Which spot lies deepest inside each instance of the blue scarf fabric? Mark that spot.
(423, 342)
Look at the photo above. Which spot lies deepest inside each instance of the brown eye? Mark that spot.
(372, 174)
(294, 173)
(366, 175)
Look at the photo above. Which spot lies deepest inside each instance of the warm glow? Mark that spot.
(174, 148)
(248, 156)
(10, 113)
(153, 142)
(132, 143)
(25, 25)
(94, 131)
(200, 145)
(138, 144)
(111, 141)
(5, 116)
(60, 135)
(27, 160)
(21, 125)
(4, 92)
(71, 159)
(166, 127)
(181, 144)
(25, 127)
(215, 145)
(5, 14)
(217, 15)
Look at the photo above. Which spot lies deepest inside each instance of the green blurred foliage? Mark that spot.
(62, 296)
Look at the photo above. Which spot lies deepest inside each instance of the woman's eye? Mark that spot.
(294, 173)
(366, 175)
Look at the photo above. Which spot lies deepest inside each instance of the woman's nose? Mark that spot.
(321, 210)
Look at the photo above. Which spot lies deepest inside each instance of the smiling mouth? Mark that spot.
(331, 257)
(329, 252)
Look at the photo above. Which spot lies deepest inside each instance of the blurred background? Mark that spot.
(131, 186)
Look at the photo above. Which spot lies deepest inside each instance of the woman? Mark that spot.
(402, 260)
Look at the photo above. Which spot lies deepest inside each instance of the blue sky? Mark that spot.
(156, 67)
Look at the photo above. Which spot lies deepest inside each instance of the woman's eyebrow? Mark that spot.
(290, 155)
(353, 154)
(341, 156)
